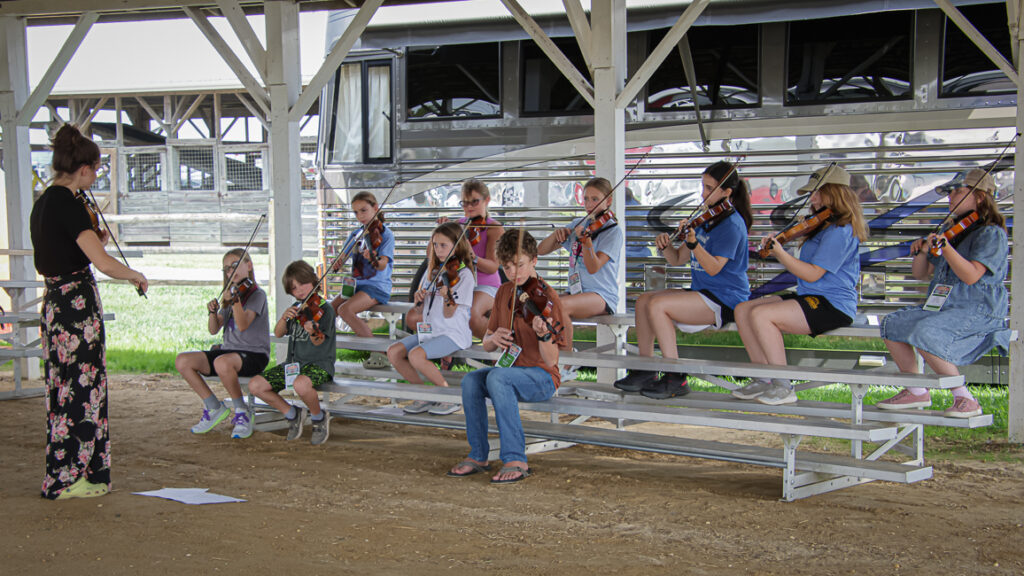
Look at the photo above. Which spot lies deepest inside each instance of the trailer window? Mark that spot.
(850, 59)
(545, 89)
(966, 70)
(360, 125)
(457, 81)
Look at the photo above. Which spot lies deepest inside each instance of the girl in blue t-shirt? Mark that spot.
(827, 272)
(370, 282)
(593, 255)
(972, 318)
(717, 252)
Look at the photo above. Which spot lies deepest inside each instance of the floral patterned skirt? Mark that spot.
(78, 442)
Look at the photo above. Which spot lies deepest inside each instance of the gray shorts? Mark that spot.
(436, 347)
(491, 291)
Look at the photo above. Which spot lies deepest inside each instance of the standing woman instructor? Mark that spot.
(66, 240)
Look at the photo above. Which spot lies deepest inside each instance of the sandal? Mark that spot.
(376, 361)
(446, 363)
(475, 467)
(523, 474)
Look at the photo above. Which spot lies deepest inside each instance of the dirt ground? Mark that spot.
(374, 500)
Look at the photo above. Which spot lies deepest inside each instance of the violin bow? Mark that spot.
(590, 213)
(245, 251)
(515, 287)
(111, 234)
(975, 187)
(732, 170)
(824, 175)
(347, 247)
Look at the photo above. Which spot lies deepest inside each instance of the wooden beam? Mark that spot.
(87, 120)
(252, 86)
(252, 109)
(60, 62)
(334, 59)
(581, 29)
(180, 121)
(660, 52)
(152, 113)
(978, 38)
(557, 57)
(232, 10)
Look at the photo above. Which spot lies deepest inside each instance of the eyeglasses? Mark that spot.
(947, 189)
(470, 203)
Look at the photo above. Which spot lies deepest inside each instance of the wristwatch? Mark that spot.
(691, 245)
(544, 338)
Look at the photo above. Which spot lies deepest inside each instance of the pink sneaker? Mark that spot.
(906, 400)
(963, 408)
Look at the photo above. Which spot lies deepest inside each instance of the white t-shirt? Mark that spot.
(456, 327)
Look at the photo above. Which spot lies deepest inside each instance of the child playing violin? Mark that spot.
(827, 273)
(964, 316)
(483, 234)
(525, 311)
(716, 249)
(309, 363)
(372, 261)
(245, 352)
(444, 300)
(594, 245)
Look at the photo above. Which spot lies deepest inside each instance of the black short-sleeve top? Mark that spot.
(57, 220)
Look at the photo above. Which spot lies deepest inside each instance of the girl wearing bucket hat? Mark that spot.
(826, 297)
(964, 316)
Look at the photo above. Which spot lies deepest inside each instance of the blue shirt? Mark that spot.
(836, 250)
(727, 239)
(379, 282)
(605, 282)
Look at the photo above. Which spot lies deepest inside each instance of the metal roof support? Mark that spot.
(333, 61)
(661, 51)
(1015, 419)
(691, 78)
(608, 19)
(581, 29)
(979, 40)
(232, 10)
(252, 86)
(17, 166)
(557, 57)
(28, 110)
(284, 83)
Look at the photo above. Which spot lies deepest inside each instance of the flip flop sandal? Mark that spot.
(475, 467)
(523, 474)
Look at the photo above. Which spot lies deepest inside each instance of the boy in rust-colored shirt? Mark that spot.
(530, 335)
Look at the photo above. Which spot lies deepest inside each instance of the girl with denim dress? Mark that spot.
(827, 273)
(718, 255)
(965, 315)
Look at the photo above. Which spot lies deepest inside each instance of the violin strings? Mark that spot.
(734, 168)
(245, 251)
(975, 187)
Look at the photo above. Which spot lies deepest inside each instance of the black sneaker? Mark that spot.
(636, 380)
(667, 386)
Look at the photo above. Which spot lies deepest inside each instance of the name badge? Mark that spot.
(937, 298)
(424, 330)
(291, 372)
(575, 283)
(348, 286)
(509, 356)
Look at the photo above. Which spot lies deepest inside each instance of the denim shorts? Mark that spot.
(436, 347)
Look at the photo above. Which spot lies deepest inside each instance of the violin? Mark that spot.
(950, 235)
(375, 236)
(239, 292)
(808, 225)
(473, 227)
(531, 300)
(596, 223)
(92, 210)
(449, 278)
(714, 214)
(311, 311)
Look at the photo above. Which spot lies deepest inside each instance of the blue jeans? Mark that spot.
(506, 387)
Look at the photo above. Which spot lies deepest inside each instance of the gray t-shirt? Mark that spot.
(255, 338)
(301, 348)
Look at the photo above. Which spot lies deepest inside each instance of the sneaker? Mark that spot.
(321, 430)
(777, 394)
(636, 380)
(906, 400)
(567, 373)
(444, 408)
(668, 386)
(295, 426)
(418, 407)
(753, 389)
(963, 407)
(243, 425)
(211, 419)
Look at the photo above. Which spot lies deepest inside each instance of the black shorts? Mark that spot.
(820, 314)
(727, 313)
(253, 363)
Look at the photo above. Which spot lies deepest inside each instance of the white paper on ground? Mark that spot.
(190, 496)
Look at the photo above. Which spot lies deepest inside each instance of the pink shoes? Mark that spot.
(963, 408)
(906, 400)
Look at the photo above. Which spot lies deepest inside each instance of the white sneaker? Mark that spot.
(211, 419)
(777, 394)
(444, 408)
(418, 407)
(753, 389)
(243, 425)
